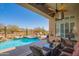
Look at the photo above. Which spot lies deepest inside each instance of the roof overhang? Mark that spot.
(48, 9)
(39, 9)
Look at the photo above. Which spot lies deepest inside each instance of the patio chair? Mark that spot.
(36, 51)
(68, 49)
(67, 43)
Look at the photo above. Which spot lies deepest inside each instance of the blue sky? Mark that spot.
(13, 14)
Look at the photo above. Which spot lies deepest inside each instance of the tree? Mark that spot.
(38, 30)
(12, 28)
(1, 28)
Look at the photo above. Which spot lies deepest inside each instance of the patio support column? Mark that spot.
(52, 29)
(77, 28)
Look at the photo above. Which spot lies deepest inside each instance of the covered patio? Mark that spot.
(63, 19)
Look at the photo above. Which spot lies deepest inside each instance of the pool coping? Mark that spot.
(8, 49)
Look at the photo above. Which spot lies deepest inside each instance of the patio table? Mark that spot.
(47, 48)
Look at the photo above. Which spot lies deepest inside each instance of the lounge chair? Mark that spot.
(36, 51)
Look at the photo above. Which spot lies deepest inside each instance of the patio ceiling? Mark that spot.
(44, 8)
(49, 9)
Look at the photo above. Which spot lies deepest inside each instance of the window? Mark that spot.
(66, 17)
(62, 30)
(72, 17)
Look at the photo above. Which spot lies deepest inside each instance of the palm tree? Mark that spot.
(26, 31)
(1, 28)
(5, 31)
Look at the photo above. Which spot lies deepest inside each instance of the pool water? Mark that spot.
(17, 42)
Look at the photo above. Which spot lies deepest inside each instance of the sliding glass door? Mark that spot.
(65, 27)
(67, 30)
(62, 30)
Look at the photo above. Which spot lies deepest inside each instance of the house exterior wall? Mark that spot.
(71, 15)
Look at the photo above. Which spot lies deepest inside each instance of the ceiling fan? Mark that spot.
(58, 11)
(61, 11)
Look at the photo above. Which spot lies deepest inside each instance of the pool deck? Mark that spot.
(22, 50)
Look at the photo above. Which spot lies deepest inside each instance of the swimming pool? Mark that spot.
(17, 42)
